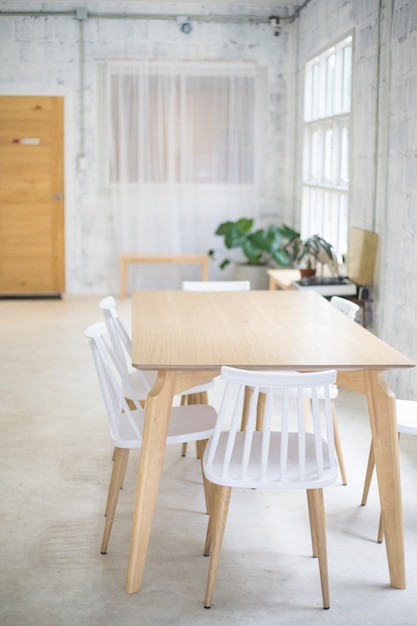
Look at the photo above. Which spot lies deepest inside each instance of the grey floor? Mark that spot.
(55, 467)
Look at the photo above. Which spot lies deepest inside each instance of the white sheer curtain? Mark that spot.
(180, 151)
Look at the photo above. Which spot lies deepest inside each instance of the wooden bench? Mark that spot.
(193, 259)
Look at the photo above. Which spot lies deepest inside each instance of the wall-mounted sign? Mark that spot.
(28, 141)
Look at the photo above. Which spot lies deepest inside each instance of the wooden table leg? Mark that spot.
(205, 269)
(158, 409)
(382, 415)
(123, 277)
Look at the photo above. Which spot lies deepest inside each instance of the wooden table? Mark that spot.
(193, 259)
(188, 336)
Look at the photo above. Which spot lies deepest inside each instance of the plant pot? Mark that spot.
(305, 273)
(255, 274)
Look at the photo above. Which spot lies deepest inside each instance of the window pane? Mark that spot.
(314, 158)
(344, 155)
(328, 155)
(326, 148)
(330, 68)
(347, 77)
(315, 91)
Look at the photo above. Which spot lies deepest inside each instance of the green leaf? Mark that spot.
(252, 252)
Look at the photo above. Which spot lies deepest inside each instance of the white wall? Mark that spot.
(41, 54)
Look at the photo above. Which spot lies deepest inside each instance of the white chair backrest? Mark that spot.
(118, 409)
(216, 285)
(121, 343)
(252, 458)
(407, 416)
(347, 307)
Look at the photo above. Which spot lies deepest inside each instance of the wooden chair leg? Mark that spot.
(184, 402)
(380, 537)
(121, 456)
(338, 446)
(216, 528)
(260, 411)
(312, 524)
(317, 505)
(208, 486)
(368, 477)
(210, 525)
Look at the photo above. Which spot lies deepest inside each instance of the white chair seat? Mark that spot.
(182, 426)
(271, 475)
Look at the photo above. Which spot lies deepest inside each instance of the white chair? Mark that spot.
(140, 381)
(283, 455)
(209, 285)
(406, 424)
(345, 306)
(349, 309)
(216, 285)
(193, 423)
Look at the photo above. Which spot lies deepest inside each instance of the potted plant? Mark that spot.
(260, 246)
(306, 253)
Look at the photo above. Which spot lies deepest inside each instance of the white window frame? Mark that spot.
(325, 182)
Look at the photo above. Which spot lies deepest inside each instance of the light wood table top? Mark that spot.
(253, 329)
(188, 336)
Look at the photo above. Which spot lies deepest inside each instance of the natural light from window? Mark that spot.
(327, 96)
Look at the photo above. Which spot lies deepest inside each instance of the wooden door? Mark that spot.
(31, 195)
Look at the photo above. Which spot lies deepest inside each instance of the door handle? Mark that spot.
(57, 196)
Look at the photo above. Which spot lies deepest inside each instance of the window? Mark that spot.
(179, 149)
(327, 94)
(187, 123)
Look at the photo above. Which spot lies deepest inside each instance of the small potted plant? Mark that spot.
(306, 253)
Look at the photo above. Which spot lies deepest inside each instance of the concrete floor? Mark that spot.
(55, 467)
